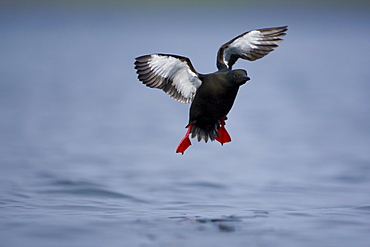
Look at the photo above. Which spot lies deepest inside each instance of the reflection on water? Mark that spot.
(88, 153)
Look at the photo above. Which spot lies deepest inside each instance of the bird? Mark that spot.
(211, 95)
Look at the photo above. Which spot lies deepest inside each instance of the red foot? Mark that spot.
(185, 142)
(223, 135)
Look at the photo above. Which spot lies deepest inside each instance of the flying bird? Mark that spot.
(211, 95)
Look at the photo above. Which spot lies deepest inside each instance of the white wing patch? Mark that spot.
(183, 79)
(251, 46)
(173, 74)
(242, 45)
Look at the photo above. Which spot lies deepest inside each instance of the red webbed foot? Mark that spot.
(185, 142)
(223, 135)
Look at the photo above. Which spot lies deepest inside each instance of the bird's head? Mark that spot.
(238, 76)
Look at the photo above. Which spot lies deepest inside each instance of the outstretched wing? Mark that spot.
(251, 46)
(175, 75)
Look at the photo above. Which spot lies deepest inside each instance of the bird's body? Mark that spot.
(212, 95)
(213, 100)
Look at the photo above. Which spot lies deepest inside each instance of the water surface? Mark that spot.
(88, 153)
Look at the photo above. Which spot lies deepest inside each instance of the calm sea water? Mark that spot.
(88, 153)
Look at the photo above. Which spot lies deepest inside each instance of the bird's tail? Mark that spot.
(208, 133)
(218, 133)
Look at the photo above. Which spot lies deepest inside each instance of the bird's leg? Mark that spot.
(185, 142)
(223, 136)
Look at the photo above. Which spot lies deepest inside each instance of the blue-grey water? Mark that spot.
(88, 153)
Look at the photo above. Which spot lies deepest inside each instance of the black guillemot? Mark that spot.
(212, 95)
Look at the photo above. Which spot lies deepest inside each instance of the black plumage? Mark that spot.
(214, 100)
(212, 95)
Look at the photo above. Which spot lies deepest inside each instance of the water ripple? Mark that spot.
(87, 189)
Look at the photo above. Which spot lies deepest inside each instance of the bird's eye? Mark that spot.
(235, 76)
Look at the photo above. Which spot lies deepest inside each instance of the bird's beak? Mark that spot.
(246, 78)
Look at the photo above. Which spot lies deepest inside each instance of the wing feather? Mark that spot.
(175, 75)
(250, 45)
